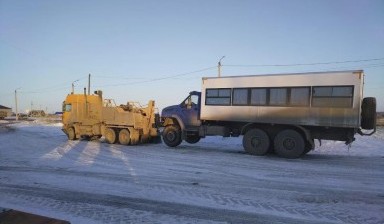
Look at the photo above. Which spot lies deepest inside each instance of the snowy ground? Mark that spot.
(213, 181)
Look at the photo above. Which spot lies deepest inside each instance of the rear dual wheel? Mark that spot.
(124, 137)
(256, 142)
(113, 136)
(110, 136)
(289, 144)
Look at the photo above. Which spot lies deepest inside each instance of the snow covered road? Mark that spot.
(213, 181)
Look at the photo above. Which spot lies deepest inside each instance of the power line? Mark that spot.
(380, 87)
(306, 64)
(59, 87)
(117, 77)
(159, 79)
(52, 88)
(62, 86)
(48, 90)
(307, 70)
(353, 67)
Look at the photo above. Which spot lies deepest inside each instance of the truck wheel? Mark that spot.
(289, 144)
(71, 134)
(192, 139)
(172, 135)
(124, 137)
(134, 136)
(368, 113)
(110, 136)
(256, 142)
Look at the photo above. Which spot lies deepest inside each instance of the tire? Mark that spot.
(71, 134)
(110, 136)
(135, 136)
(368, 113)
(289, 144)
(193, 139)
(124, 137)
(256, 142)
(172, 135)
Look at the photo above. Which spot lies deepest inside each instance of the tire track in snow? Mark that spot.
(117, 209)
(310, 211)
(308, 207)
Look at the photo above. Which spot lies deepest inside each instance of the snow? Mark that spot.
(212, 181)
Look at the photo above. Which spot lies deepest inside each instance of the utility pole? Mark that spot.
(17, 112)
(219, 66)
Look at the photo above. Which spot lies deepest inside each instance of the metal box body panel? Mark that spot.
(306, 115)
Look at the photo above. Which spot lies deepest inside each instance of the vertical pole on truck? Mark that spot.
(73, 86)
(86, 101)
(89, 84)
(219, 66)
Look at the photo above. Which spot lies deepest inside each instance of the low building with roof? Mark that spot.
(5, 111)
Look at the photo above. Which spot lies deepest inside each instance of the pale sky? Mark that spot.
(160, 49)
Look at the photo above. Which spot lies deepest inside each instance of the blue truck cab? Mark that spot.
(182, 121)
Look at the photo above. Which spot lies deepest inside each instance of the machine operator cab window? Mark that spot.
(190, 102)
(67, 107)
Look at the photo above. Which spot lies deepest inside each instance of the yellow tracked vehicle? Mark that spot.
(88, 116)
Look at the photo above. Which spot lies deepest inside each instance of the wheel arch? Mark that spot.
(306, 134)
(75, 127)
(250, 126)
(174, 120)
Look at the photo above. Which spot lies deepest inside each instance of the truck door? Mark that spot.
(190, 110)
(67, 112)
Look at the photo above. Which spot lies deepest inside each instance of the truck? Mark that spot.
(280, 113)
(89, 116)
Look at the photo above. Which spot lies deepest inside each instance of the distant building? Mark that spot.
(5, 112)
